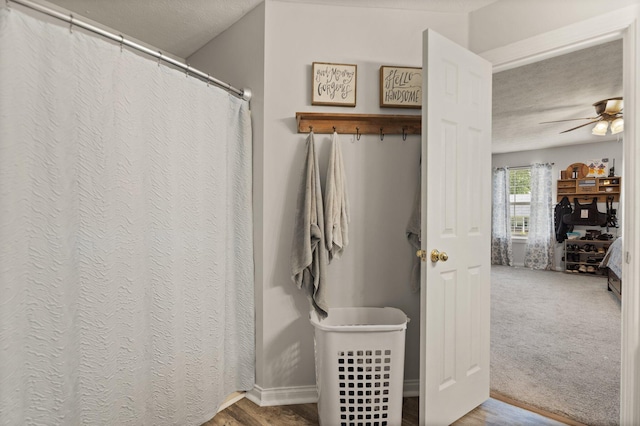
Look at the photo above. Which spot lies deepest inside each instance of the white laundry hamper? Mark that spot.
(360, 366)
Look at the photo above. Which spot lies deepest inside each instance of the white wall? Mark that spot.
(507, 21)
(382, 176)
(563, 157)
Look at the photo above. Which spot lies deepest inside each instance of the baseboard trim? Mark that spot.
(282, 396)
(306, 394)
(411, 388)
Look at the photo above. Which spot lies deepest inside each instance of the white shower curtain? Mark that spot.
(126, 269)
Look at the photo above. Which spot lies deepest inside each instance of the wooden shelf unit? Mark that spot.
(589, 187)
(362, 124)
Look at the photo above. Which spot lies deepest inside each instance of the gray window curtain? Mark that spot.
(539, 248)
(501, 250)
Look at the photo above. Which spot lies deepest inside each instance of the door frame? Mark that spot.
(619, 24)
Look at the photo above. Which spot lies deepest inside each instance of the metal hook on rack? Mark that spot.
(334, 129)
(358, 133)
(310, 129)
(71, 23)
(381, 134)
(208, 78)
(121, 42)
(404, 133)
(159, 56)
(187, 71)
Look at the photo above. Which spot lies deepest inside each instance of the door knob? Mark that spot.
(422, 254)
(438, 255)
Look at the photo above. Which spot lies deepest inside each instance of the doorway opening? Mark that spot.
(559, 88)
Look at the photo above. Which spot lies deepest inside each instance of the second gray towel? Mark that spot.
(336, 212)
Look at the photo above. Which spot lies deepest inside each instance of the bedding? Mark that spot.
(613, 258)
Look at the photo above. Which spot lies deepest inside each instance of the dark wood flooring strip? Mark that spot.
(246, 413)
(493, 412)
(308, 412)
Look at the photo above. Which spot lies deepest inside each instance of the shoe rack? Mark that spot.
(584, 256)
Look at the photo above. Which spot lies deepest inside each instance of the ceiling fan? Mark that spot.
(609, 114)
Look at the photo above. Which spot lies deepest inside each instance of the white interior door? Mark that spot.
(456, 182)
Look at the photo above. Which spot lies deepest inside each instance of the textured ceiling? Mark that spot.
(447, 6)
(181, 27)
(554, 89)
(559, 88)
(178, 27)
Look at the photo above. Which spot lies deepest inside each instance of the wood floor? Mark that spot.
(492, 412)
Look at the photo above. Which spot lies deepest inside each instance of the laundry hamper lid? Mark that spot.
(361, 319)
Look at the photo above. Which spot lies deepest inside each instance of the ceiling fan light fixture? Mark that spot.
(617, 126)
(613, 106)
(609, 112)
(600, 129)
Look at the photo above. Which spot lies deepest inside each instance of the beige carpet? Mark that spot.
(555, 343)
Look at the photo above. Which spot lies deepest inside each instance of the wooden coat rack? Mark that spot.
(359, 124)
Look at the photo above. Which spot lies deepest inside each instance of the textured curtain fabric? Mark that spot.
(539, 248)
(126, 277)
(501, 249)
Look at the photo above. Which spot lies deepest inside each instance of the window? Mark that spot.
(520, 200)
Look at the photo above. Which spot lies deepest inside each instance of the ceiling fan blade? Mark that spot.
(582, 125)
(569, 119)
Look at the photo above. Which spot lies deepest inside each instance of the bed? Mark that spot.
(613, 262)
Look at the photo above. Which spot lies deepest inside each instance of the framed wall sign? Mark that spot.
(400, 87)
(333, 84)
(598, 168)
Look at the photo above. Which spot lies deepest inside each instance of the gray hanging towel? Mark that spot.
(308, 254)
(336, 212)
(414, 229)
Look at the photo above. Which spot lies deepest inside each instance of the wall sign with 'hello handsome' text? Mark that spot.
(400, 87)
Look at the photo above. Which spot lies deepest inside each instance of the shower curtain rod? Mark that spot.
(243, 94)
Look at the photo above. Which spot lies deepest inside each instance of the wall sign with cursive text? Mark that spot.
(400, 87)
(333, 84)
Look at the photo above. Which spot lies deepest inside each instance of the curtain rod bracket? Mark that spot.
(246, 94)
